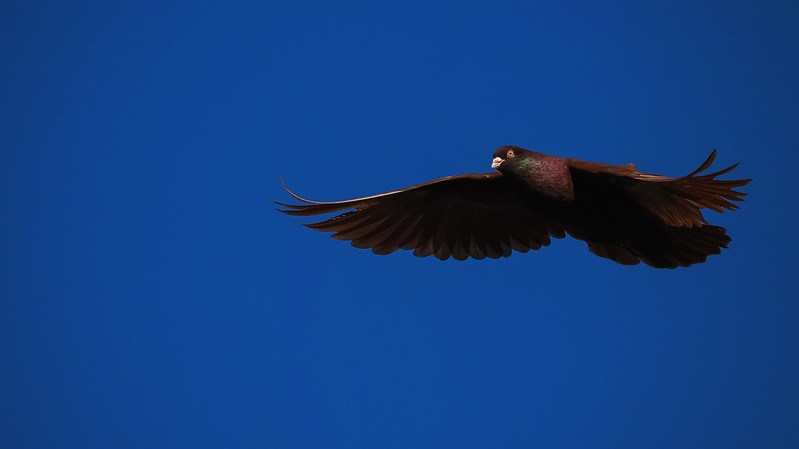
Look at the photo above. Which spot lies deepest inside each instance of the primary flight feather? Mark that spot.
(624, 215)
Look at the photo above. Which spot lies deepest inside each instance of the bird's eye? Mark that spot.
(511, 153)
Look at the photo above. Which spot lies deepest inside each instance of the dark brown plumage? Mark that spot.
(623, 214)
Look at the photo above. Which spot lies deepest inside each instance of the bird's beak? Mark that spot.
(497, 162)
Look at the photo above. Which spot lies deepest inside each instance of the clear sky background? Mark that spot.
(151, 297)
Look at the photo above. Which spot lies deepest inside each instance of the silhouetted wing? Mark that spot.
(476, 215)
(676, 201)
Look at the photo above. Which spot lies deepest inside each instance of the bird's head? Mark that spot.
(507, 159)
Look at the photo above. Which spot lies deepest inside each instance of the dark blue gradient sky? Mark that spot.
(151, 297)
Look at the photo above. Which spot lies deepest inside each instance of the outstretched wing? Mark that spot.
(676, 201)
(475, 215)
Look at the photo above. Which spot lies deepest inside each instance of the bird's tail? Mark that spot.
(672, 247)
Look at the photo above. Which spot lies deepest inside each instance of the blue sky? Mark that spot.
(152, 297)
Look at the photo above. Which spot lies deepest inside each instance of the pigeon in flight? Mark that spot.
(623, 214)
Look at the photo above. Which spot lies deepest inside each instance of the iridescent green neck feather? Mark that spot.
(547, 175)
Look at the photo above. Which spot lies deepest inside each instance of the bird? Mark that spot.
(623, 214)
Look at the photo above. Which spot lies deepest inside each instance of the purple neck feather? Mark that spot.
(548, 175)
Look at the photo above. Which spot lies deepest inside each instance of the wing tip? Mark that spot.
(291, 192)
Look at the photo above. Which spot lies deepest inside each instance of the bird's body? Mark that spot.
(624, 215)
